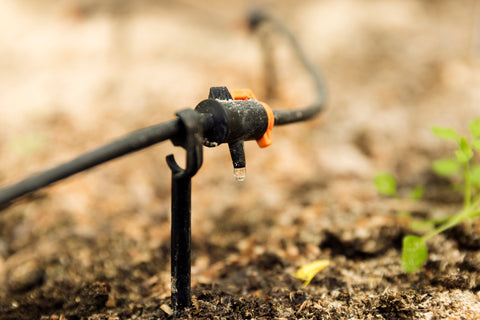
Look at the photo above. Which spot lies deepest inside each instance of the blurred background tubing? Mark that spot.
(256, 18)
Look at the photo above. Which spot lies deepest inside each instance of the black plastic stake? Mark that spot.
(181, 241)
(191, 139)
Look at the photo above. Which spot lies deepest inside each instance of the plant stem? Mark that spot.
(469, 212)
(468, 187)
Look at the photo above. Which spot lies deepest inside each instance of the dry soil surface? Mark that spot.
(76, 74)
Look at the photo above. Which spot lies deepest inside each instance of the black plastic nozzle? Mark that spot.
(235, 121)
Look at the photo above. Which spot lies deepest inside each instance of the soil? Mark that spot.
(77, 74)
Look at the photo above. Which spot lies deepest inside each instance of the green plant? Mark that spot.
(461, 168)
(414, 250)
(386, 185)
(462, 162)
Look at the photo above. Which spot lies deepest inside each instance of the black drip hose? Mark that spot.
(169, 130)
(257, 18)
(133, 142)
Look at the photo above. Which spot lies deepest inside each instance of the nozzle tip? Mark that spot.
(240, 173)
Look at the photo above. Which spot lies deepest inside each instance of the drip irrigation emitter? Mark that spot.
(231, 117)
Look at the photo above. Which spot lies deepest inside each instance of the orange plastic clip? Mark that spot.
(245, 94)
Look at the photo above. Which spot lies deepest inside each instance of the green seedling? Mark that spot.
(461, 164)
(386, 185)
(414, 251)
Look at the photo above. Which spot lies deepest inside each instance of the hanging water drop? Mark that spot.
(239, 173)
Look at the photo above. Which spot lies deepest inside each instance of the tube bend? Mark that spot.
(258, 17)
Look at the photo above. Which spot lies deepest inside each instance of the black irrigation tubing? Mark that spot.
(133, 142)
(222, 118)
(256, 19)
(146, 137)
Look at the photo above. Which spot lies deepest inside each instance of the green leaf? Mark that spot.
(476, 144)
(464, 146)
(417, 193)
(465, 153)
(475, 127)
(446, 167)
(446, 133)
(475, 175)
(461, 156)
(414, 253)
(386, 184)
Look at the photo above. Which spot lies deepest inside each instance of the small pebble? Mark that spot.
(25, 276)
(166, 308)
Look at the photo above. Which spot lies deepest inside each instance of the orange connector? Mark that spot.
(245, 94)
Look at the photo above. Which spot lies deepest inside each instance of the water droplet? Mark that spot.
(240, 173)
